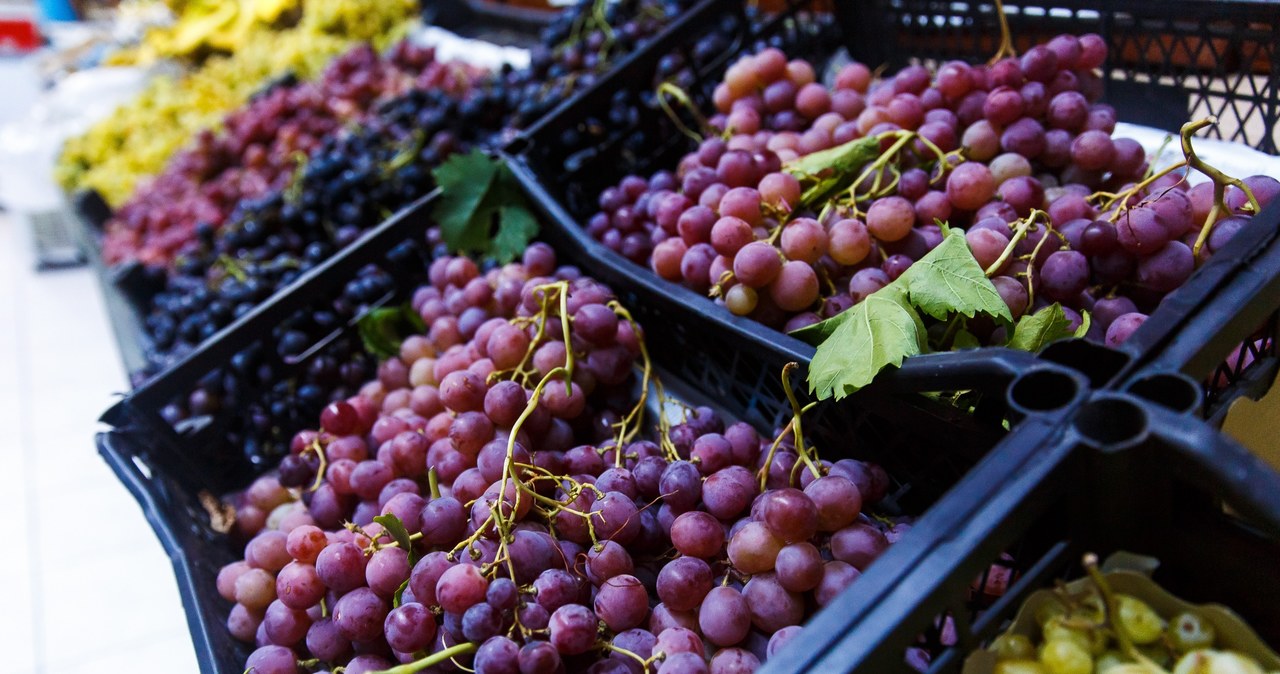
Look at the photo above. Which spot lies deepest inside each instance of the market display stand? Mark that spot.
(1081, 448)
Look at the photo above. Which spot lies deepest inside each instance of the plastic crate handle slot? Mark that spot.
(1173, 391)
(1046, 390)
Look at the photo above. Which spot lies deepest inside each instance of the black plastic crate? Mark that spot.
(198, 447)
(172, 501)
(925, 445)
(129, 288)
(1126, 474)
(566, 177)
(1168, 62)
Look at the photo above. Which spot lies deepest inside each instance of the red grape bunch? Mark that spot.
(260, 145)
(489, 501)
(747, 219)
(1117, 254)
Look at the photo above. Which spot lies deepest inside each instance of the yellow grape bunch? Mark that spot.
(136, 140)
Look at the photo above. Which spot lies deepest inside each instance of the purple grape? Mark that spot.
(1140, 232)
(1064, 275)
(1167, 268)
(1124, 326)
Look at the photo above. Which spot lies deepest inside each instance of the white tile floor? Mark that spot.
(88, 587)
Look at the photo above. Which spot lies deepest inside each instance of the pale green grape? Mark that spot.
(1138, 619)
(1189, 632)
(1013, 647)
(1020, 667)
(1066, 656)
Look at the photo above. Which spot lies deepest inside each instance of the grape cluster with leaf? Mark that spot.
(805, 200)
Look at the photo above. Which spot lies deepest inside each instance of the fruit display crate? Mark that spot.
(1157, 50)
(927, 446)
(1127, 474)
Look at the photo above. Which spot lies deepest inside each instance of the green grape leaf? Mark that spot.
(948, 280)
(399, 595)
(482, 208)
(841, 157)
(1035, 331)
(878, 332)
(395, 528)
(1086, 321)
(818, 332)
(823, 174)
(465, 181)
(383, 329)
(517, 228)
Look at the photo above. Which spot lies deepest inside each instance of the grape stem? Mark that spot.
(232, 267)
(504, 523)
(629, 425)
(1035, 254)
(1109, 603)
(407, 153)
(1108, 199)
(604, 645)
(568, 341)
(316, 447)
(794, 427)
(728, 277)
(671, 89)
(293, 191)
(433, 482)
(1168, 139)
(664, 424)
(1220, 182)
(953, 326)
(433, 659)
(1005, 49)
(547, 293)
(875, 170)
(1020, 229)
(597, 12)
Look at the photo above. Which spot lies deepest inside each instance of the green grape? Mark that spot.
(1055, 630)
(1066, 656)
(1093, 641)
(1189, 632)
(1013, 647)
(1109, 660)
(1216, 662)
(1020, 667)
(1138, 619)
